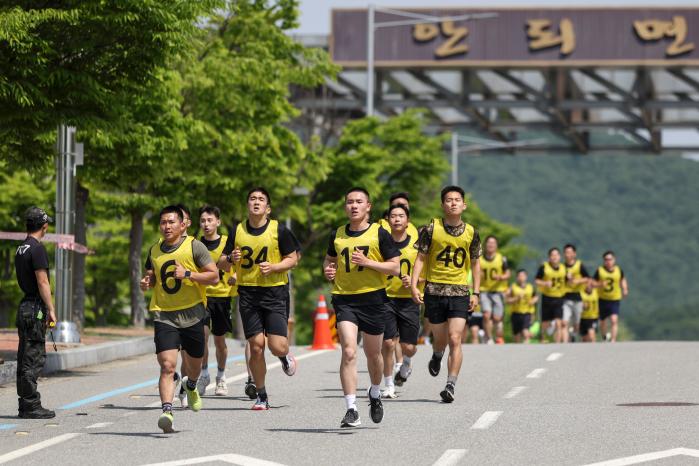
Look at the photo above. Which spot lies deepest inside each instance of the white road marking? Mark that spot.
(554, 357)
(244, 375)
(129, 413)
(230, 458)
(536, 373)
(450, 458)
(13, 455)
(99, 425)
(486, 420)
(514, 392)
(649, 457)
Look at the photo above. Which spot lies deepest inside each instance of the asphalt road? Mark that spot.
(537, 404)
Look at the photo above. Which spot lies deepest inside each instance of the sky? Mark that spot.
(315, 14)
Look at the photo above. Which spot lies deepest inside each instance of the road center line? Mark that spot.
(99, 425)
(554, 357)
(514, 392)
(450, 458)
(13, 455)
(486, 420)
(536, 373)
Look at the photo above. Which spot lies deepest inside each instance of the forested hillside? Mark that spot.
(645, 208)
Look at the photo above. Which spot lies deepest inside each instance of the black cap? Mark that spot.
(36, 217)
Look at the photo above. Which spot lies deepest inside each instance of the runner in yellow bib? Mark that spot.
(550, 280)
(590, 314)
(522, 299)
(447, 248)
(612, 288)
(495, 274)
(180, 269)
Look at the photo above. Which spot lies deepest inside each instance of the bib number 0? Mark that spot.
(165, 275)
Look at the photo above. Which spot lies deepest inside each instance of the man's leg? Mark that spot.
(456, 326)
(557, 332)
(372, 350)
(474, 335)
(221, 356)
(166, 385)
(615, 326)
(347, 332)
(258, 366)
(203, 379)
(387, 351)
(488, 326)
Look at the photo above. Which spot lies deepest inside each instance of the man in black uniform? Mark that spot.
(35, 310)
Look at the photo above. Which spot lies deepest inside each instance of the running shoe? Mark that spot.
(434, 366)
(351, 419)
(221, 387)
(291, 368)
(448, 393)
(399, 380)
(193, 399)
(375, 409)
(165, 422)
(261, 405)
(250, 389)
(203, 382)
(182, 395)
(389, 392)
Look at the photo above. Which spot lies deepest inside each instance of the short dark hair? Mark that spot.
(399, 206)
(452, 189)
(357, 189)
(521, 270)
(172, 209)
(571, 246)
(608, 253)
(33, 227)
(211, 210)
(260, 189)
(400, 195)
(554, 249)
(491, 237)
(183, 208)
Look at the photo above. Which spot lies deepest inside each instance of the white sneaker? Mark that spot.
(221, 387)
(178, 384)
(389, 392)
(182, 395)
(396, 367)
(491, 341)
(203, 382)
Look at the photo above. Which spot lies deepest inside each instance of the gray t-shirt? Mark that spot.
(191, 316)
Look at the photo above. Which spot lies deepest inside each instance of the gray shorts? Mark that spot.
(493, 302)
(572, 310)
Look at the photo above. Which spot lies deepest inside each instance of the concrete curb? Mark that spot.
(85, 356)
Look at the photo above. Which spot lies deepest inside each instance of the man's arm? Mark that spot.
(208, 275)
(330, 267)
(287, 263)
(42, 279)
(476, 274)
(415, 278)
(388, 267)
(624, 287)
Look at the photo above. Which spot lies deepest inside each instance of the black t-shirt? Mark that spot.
(388, 249)
(287, 241)
(31, 256)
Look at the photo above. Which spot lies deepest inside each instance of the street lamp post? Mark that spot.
(415, 18)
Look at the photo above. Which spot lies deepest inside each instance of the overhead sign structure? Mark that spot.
(523, 37)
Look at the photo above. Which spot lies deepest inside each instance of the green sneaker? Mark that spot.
(165, 422)
(193, 399)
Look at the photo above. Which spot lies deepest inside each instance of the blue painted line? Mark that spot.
(7, 426)
(119, 391)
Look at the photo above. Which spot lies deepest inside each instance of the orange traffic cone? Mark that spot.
(321, 333)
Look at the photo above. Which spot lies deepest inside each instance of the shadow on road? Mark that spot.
(413, 400)
(656, 404)
(324, 431)
(135, 434)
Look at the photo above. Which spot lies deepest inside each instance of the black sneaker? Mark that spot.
(375, 409)
(37, 413)
(434, 366)
(251, 390)
(398, 379)
(351, 419)
(448, 393)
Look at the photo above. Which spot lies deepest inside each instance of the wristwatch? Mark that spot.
(476, 294)
(188, 274)
(229, 258)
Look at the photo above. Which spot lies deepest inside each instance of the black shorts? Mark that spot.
(219, 318)
(586, 325)
(402, 320)
(475, 321)
(189, 339)
(608, 308)
(370, 318)
(439, 309)
(520, 322)
(264, 310)
(551, 308)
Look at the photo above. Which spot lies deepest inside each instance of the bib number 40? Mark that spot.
(458, 258)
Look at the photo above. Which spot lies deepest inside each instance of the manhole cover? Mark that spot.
(658, 404)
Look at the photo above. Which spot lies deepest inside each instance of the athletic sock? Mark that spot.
(261, 393)
(388, 381)
(351, 401)
(285, 361)
(452, 379)
(438, 355)
(191, 384)
(220, 373)
(375, 391)
(167, 407)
